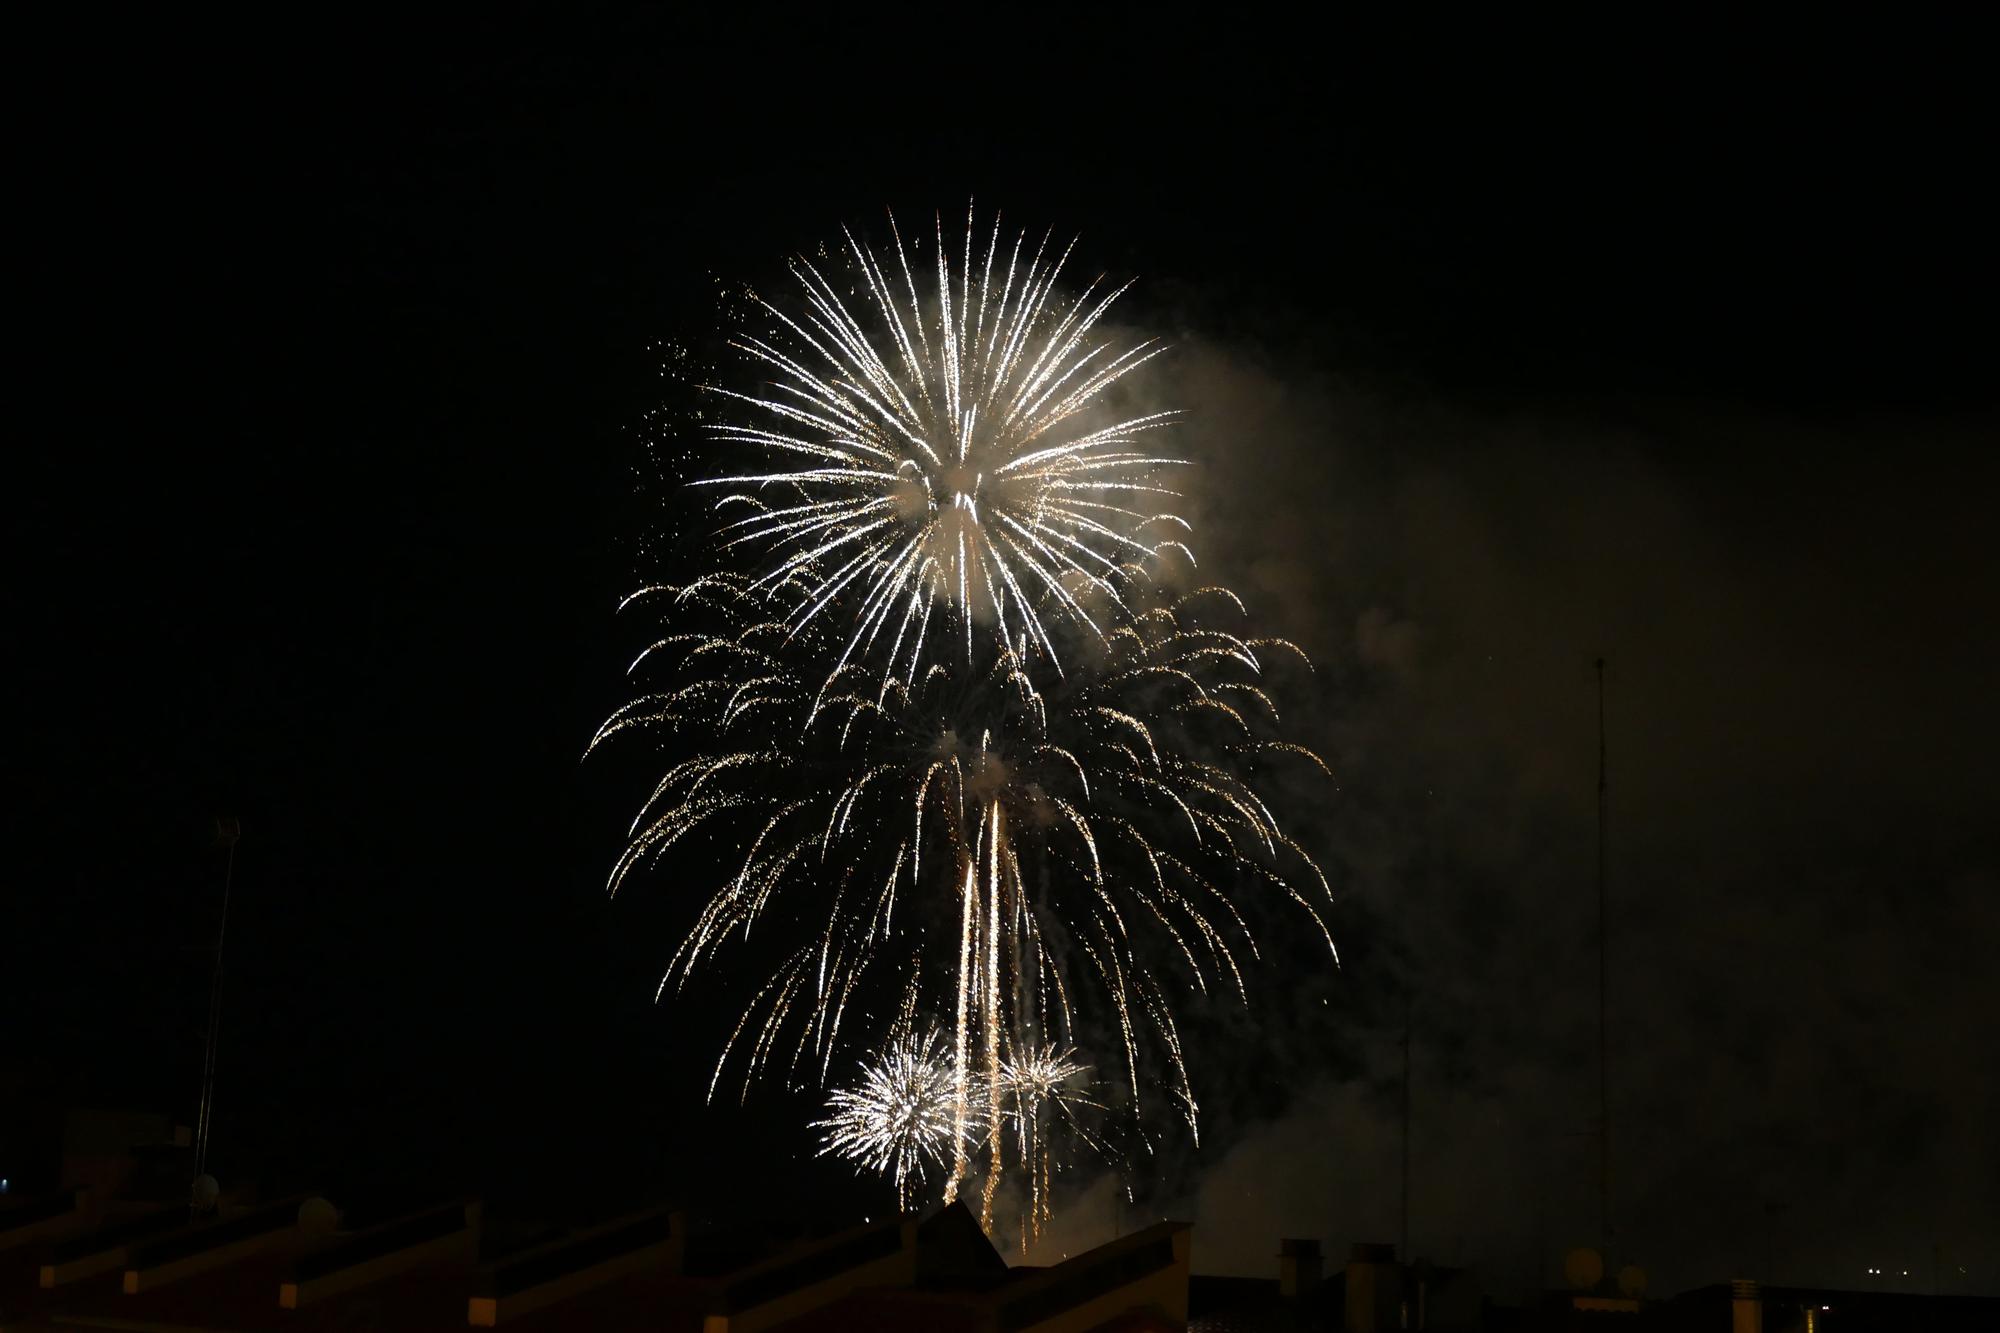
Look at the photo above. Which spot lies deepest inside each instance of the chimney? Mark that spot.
(1298, 1265)
(1374, 1289)
(1746, 1307)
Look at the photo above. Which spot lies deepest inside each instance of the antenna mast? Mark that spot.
(1603, 1037)
(1403, 1254)
(1409, 1016)
(228, 832)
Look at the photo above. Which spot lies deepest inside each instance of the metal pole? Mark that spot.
(1603, 1034)
(1403, 1251)
(231, 831)
(1429, 852)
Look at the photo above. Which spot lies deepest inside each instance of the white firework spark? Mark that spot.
(944, 445)
(901, 1117)
(1041, 1077)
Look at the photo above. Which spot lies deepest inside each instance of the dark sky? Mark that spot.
(1505, 347)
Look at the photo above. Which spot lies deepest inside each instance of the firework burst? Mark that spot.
(899, 1119)
(1042, 1088)
(942, 445)
(975, 780)
(1044, 1077)
(1005, 855)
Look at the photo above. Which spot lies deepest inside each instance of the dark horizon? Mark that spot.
(1503, 351)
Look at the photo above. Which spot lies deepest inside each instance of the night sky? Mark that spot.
(1504, 347)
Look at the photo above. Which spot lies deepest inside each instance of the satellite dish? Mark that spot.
(205, 1193)
(1632, 1281)
(318, 1218)
(1584, 1268)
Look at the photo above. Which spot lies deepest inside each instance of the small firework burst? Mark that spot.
(901, 1117)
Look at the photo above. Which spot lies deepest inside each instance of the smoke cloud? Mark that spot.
(1801, 858)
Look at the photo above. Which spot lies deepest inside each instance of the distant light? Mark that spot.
(3, 1184)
